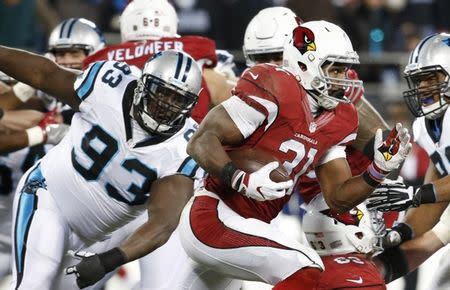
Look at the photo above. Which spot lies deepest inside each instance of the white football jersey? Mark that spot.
(435, 139)
(101, 173)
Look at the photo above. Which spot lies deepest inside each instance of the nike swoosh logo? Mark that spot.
(253, 76)
(359, 281)
(258, 189)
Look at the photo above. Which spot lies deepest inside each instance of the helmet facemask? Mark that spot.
(159, 107)
(330, 85)
(429, 100)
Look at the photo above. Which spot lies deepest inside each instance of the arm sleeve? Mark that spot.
(246, 118)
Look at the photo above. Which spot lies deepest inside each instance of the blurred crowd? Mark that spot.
(374, 26)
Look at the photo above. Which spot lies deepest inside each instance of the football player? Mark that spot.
(428, 74)
(301, 116)
(126, 152)
(69, 43)
(150, 26)
(323, 227)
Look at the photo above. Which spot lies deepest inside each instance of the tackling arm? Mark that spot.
(168, 198)
(40, 73)
(424, 217)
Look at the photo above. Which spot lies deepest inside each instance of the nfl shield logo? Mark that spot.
(312, 127)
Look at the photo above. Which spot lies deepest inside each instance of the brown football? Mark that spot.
(252, 159)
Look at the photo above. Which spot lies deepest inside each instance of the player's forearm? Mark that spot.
(147, 238)
(420, 249)
(206, 149)
(348, 195)
(13, 142)
(369, 121)
(40, 73)
(24, 66)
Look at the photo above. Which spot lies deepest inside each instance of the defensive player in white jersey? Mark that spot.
(428, 75)
(125, 151)
(69, 43)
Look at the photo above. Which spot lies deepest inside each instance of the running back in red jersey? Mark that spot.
(289, 131)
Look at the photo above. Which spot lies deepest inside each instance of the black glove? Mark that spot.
(396, 235)
(391, 195)
(93, 267)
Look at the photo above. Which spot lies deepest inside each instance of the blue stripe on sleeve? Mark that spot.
(88, 83)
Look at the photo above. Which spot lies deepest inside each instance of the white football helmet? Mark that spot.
(267, 31)
(329, 233)
(312, 50)
(148, 19)
(166, 92)
(431, 56)
(77, 33)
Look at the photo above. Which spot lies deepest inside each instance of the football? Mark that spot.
(252, 159)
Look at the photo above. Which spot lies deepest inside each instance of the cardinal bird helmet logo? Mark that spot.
(304, 39)
(353, 217)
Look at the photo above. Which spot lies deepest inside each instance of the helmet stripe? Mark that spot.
(62, 28)
(179, 64)
(420, 47)
(188, 68)
(69, 30)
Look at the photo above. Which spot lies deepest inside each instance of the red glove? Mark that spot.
(49, 119)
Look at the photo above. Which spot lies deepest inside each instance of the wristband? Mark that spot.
(370, 180)
(404, 230)
(376, 172)
(395, 263)
(2, 112)
(23, 91)
(425, 194)
(112, 259)
(227, 173)
(35, 135)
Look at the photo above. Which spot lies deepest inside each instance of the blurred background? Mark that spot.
(382, 32)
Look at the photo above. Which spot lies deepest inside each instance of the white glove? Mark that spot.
(258, 185)
(55, 133)
(391, 195)
(391, 153)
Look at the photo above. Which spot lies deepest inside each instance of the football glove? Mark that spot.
(396, 235)
(258, 185)
(389, 154)
(391, 195)
(53, 131)
(93, 267)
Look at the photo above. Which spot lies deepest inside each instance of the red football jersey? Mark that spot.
(350, 271)
(356, 159)
(136, 53)
(290, 132)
